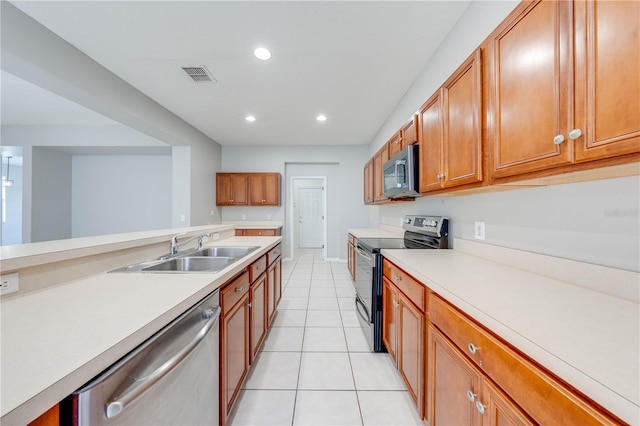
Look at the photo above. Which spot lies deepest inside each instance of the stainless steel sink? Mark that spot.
(224, 251)
(191, 264)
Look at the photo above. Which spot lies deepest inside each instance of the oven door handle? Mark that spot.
(359, 305)
(365, 255)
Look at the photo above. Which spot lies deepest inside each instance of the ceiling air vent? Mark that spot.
(199, 74)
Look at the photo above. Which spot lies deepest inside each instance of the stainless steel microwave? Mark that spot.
(400, 174)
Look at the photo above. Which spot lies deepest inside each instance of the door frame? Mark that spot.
(290, 221)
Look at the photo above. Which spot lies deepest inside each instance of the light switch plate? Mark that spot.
(479, 230)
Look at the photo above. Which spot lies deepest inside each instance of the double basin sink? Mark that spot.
(204, 260)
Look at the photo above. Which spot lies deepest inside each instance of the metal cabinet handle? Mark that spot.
(480, 407)
(397, 278)
(558, 139)
(440, 176)
(140, 385)
(472, 348)
(471, 396)
(575, 134)
(239, 289)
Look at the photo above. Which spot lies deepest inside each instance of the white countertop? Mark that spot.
(588, 338)
(56, 339)
(374, 233)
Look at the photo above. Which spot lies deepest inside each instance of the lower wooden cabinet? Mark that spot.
(234, 341)
(257, 314)
(351, 256)
(403, 329)
(458, 392)
(274, 284)
(506, 384)
(257, 232)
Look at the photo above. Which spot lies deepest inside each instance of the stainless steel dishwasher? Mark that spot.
(171, 379)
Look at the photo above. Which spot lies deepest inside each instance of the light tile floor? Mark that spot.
(315, 367)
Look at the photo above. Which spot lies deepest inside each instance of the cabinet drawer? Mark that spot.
(233, 291)
(257, 268)
(411, 288)
(260, 232)
(274, 253)
(546, 399)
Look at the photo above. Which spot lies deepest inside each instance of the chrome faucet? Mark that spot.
(175, 247)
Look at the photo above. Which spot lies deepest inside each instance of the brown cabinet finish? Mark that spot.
(264, 189)
(409, 132)
(463, 118)
(256, 232)
(232, 189)
(543, 397)
(258, 315)
(234, 341)
(390, 318)
(607, 52)
(368, 182)
(395, 144)
(530, 75)
(500, 410)
(430, 152)
(351, 256)
(378, 188)
(257, 268)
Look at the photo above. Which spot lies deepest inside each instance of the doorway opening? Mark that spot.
(308, 214)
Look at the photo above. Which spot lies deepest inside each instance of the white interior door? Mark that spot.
(310, 218)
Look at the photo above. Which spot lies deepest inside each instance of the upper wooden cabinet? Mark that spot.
(450, 125)
(409, 132)
(395, 143)
(547, 110)
(247, 189)
(607, 82)
(232, 189)
(264, 189)
(379, 159)
(368, 182)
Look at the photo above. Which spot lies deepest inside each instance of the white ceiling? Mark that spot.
(352, 61)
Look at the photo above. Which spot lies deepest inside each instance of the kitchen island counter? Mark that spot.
(56, 339)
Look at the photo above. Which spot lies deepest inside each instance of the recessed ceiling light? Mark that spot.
(262, 53)
(250, 118)
(321, 118)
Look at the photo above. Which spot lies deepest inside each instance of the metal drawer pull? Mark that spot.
(480, 407)
(473, 348)
(471, 396)
(239, 289)
(397, 278)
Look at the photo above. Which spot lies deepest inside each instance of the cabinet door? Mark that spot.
(395, 144)
(411, 350)
(271, 292)
(368, 182)
(264, 189)
(430, 122)
(454, 384)
(278, 277)
(390, 318)
(232, 189)
(257, 315)
(607, 43)
(499, 410)
(351, 260)
(409, 132)
(234, 353)
(378, 188)
(462, 136)
(530, 68)
(223, 189)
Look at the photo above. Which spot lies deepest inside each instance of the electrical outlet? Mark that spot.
(268, 217)
(182, 218)
(479, 230)
(244, 216)
(9, 283)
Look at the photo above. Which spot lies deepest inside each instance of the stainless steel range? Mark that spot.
(421, 232)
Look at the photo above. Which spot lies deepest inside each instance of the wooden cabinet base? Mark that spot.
(50, 418)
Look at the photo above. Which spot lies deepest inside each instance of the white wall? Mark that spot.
(349, 208)
(32, 52)
(51, 195)
(12, 228)
(118, 193)
(592, 221)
